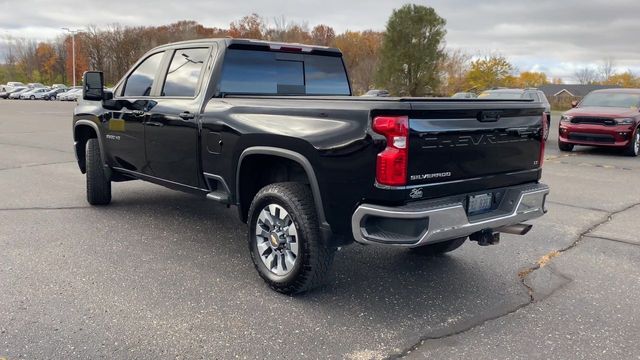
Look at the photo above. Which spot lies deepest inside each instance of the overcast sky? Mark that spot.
(543, 35)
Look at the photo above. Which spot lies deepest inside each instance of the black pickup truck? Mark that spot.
(274, 130)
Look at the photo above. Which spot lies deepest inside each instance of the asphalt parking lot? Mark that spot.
(161, 274)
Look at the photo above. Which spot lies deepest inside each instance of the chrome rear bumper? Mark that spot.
(425, 222)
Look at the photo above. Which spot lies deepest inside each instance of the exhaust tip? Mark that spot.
(517, 229)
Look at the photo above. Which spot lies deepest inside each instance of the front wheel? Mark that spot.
(32, 97)
(563, 146)
(98, 183)
(439, 248)
(284, 238)
(634, 145)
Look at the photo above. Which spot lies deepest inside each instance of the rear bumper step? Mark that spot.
(433, 221)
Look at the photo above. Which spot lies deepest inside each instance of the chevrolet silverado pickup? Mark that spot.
(273, 129)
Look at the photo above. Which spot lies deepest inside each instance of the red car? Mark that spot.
(607, 118)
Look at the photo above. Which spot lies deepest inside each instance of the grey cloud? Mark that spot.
(542, 34)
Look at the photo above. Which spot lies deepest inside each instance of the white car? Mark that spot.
(35, 85)
(16, 95)
(34, 94)
(13, 85)
(71, 95)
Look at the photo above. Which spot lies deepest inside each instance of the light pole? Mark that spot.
(73, 50)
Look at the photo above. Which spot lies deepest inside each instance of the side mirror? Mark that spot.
(574, 103)
(93, 86)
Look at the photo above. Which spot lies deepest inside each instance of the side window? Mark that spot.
(140, 81)
(542, 97)
(326, 75)
(184, 72)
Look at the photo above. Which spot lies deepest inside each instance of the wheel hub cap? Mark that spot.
(276, 239)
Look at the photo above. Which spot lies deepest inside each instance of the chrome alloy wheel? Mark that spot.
(277, 239)
(636, 143)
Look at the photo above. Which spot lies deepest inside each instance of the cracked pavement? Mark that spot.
(160, 274)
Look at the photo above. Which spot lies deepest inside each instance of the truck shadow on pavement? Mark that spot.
(396, 295)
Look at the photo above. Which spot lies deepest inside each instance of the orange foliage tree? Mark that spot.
(361, 51)
(82, 63)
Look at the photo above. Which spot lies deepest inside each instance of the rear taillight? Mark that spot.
(543, 140)
(391, 167)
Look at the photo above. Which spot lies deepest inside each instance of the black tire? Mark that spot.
(634, 145)
(439, 248)
(314, 257)
(98, 183)
(563, 146)
(32, 97)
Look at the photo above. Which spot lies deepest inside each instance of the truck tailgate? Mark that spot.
(448, 146)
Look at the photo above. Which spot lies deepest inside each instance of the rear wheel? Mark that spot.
(439, 248)
(634, 145)
(563, 146)
(284, 238)
(98, 183)
(32, 97)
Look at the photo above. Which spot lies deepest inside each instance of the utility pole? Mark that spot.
(73, 50)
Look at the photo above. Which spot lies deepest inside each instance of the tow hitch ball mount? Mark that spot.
(485, 237)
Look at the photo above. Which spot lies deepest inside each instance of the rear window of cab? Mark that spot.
(277, 73)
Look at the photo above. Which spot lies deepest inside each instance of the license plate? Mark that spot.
(479, 203)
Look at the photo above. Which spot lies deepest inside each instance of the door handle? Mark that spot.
(138, 113)
(187, 115)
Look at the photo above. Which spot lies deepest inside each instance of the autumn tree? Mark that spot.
(26, 60)
(323, 35)
(47, 59)
(586, 75)
(606, 69)
(82, 62)
(626, 80)
(411, 51)
(453, 72)
(360, 53)
(490, 71)
(249, 27)
(531, 79)
(9, 67)
(96, 49)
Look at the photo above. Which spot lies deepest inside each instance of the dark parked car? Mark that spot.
(6, 94)
(53, 93)
(533, 94)
(607, 118)
(273, 130)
